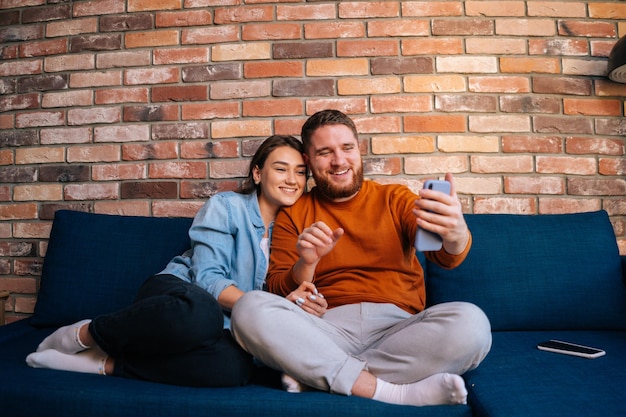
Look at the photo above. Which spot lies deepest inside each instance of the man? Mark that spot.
(353, 239)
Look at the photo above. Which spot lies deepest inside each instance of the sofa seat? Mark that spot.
(517, 379)
(27, 392)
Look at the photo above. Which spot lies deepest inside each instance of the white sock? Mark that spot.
(438, 389)
(292, 385)
(65, 339)
(89, 361)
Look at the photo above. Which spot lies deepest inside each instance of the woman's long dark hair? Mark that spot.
(260, 156)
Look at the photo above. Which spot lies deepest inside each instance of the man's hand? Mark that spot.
(313, 243)
(309, 299)
(316, 241)
(442, 214)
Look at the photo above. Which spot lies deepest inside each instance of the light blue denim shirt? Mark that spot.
(225, 246)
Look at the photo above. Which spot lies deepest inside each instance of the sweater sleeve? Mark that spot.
(447, 260)
(280, 279)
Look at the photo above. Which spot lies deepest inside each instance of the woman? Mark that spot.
(177, 330)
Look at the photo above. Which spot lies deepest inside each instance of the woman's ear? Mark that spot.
(256, 175)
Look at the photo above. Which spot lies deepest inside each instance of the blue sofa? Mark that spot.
(537, 278)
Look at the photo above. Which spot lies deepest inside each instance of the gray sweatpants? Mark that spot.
(329, 353)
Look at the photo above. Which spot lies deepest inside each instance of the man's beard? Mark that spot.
(334, 192)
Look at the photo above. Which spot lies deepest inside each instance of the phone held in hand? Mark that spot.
(567, 348)
(426, 241)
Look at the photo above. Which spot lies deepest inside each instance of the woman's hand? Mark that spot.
(309, 299)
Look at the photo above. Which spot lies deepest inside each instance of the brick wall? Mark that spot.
(145, 107)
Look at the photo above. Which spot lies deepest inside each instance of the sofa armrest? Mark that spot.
(3, 296)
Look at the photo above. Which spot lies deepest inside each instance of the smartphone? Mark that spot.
(567, 348)
(426, 241)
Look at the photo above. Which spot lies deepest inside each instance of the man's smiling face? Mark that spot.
(335, 161)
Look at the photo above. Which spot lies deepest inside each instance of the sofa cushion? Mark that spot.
(95, 263)
(29, 392)
(519, 380)
(538, 272)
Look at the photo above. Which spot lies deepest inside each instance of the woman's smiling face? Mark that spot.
(282, 178)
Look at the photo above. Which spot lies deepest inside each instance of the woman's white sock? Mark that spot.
(438, 389)
(89, 361)
(292, 385)
(65, 339)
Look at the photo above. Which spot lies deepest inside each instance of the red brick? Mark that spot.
(151, 113)
(176, 208)
(67, 99)
(534, 185)
(332, 30)
(269, 108)
(567, 205)
(435, 123)
(534, 144)
(181, 56)
(210, 35)
(501, 164)
(271, 31)
(183, 18)
(432, 46)
(612, 166)
(592, 107)
(144, 5)
(586, 28)
(503, 205)
(430, 165)
(600, 146)
(180, 93)
(151, 76)
(98, 8)
(122, 95)
(209, 110)
(273, 69)
(401, 104)
(400, 28)
(122, 133)
(511, 8)
(243, 14)
(97, 79)
(72, 27)
(213, 149)
(596, 187)
(498, 84)
(92, 191)
(43, 48)
(118, 172)
(566, 165)
(93, 115)
(123, 208)
(360, 48)
(163, 170)
(428, 8)
(139, 152)
(206, 189)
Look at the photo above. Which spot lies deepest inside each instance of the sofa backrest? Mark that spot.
(95, 263)
(538, 272)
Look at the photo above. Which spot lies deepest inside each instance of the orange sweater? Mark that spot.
(374, 261)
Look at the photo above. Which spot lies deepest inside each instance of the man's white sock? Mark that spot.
(438, 389)
(89, 361)
(65, 339)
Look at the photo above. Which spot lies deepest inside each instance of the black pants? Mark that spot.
(173, 333)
